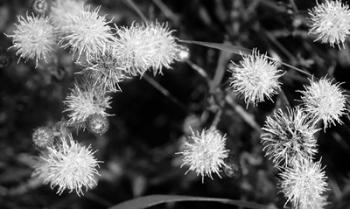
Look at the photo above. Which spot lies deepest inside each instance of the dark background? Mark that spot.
(147, 129)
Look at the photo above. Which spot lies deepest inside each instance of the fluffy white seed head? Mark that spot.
(304, 185)
(145, 46)
(106, 72)
(330, 22)
(288, 137)
(205, 152)
(34, 38)
(84, 101)
(86, 33)
(62, 12)
(255, 77)
(325, 101)
(68, 166)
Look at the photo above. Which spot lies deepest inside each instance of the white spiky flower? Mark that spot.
(106, 72)
(288, 137)
(86, 33)
(68, 166)
(304, 185)
(325, 101)
(255, 77)
(84, 101)
(34, 38)
(62, 11)
(205, 152)
(330, 22)
(146, 46)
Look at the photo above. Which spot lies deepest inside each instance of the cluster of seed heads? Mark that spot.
(109, 55)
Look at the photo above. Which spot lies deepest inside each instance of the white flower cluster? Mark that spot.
(289, 137)
(67, 165)
(84, 101)
(256, 78)
(289, 141)
(205, 153)
(330, 22)
(325, 101)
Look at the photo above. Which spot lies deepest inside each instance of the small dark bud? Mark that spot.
(5, 59)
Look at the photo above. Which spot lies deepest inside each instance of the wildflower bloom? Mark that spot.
(143, 46)
(68, 166)
(255, 77)
(85, 101)
(288, 137)
(325, 101)
(33, 38)
(304, 185)
(62, 12)
(84, 31)
(106, 71)
(330, 22)
(205, 153)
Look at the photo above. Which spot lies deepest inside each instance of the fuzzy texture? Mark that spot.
(34, 38)
(330, 22)
(43, 137)
(288, 137)
(205, 153)
(62, 12)
(41, 7)
(325, 101)
(85, 33)
(105, 71)
(68, 166)
(145, 46)
(85, 101)
(255, 77)
(304, 185)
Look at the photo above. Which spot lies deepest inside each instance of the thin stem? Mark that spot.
(167, 11)
(132, 4)
(198, 69)
(247, 117)
(164, 91)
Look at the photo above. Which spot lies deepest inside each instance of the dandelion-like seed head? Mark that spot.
(144, 46)
(106, 71)
(325, 101)
(62, 12)
(85, 101)
(68, 166)
(34, 38)
(87, 33)
(256, 78)
(304, 185)
(330, 22)
(205, 152)
(288, 137)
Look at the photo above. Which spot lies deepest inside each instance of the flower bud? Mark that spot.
(182, 54)
(41, 7)
(43, 137)
(97, 124)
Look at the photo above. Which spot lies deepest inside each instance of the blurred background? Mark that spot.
(147, 129)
